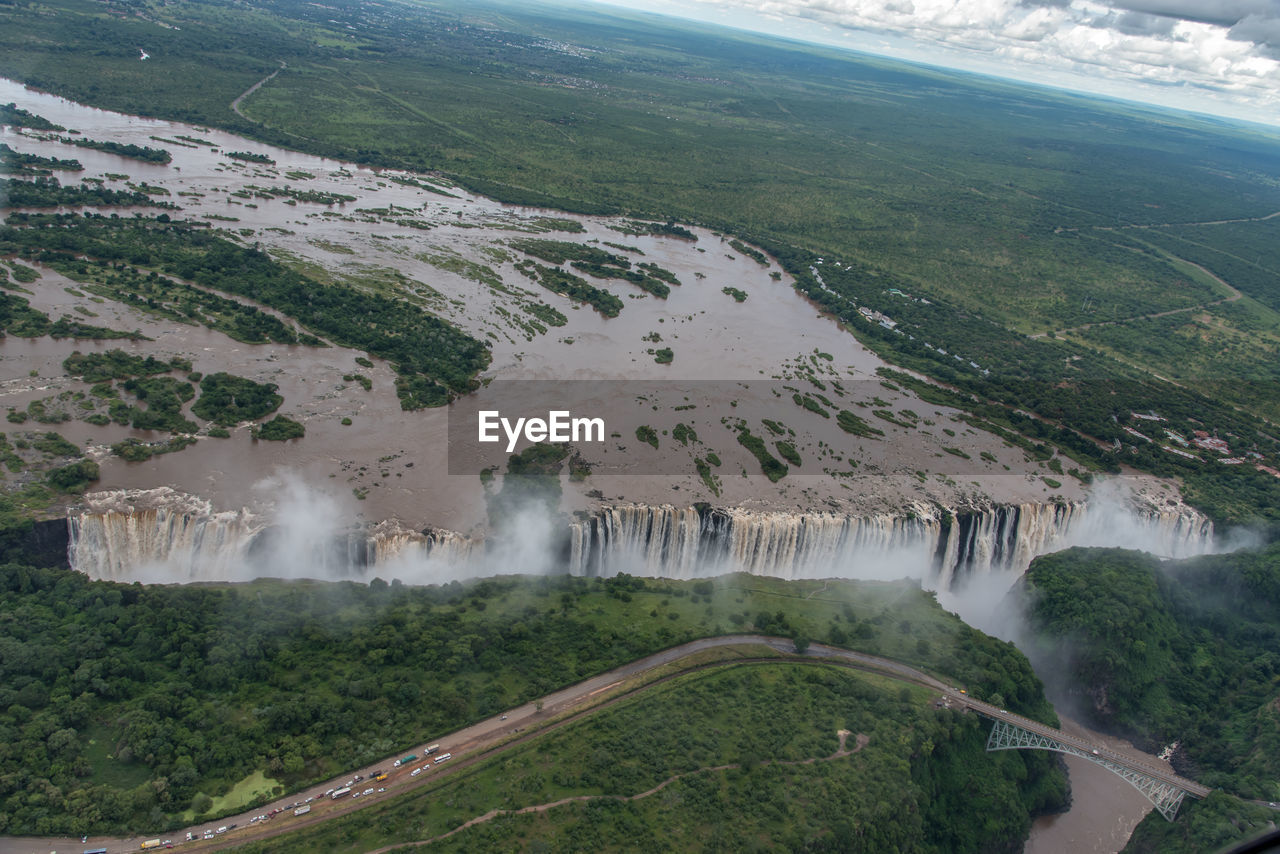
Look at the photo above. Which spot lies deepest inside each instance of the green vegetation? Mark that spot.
(1212, 824)
(754, 254)
(44, 192)
(574, 287)
(74, 478)
(360, 379)
(339, 674)
(545, 313)
(788, 452)
(227, 400)
(176, 301)
(432, 357)
(708, 477)
(851, 423)
(279, 429)
(887, 415)
(663, 355)
(164, 397)
(136, 450)
(809, 403)
(560, 251)
(595, 262)
(667, 229)
(738, 294)
(123, 149)
(22, 273)
(775, 727)
(250, 157)
(69, 327)
(532, 482)
(1081, 198)
(12, 114)
(1078, 197)
(17, 163)
(1172, 651)
(647, 434)
(464, 267)
(17, 317)
(656, 272)
(318, 197)
(769, 464)
(119, 365)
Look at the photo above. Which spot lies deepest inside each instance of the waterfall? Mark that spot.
(945, 548)
(162, 535)
(126, 535)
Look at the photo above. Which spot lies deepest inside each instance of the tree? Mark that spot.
(201, 803)
(802, 644)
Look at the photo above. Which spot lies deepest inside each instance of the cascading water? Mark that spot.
(162, 535)
(124, 535)
(943, 548)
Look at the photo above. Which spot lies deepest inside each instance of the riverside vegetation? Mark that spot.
(433, 358)
(128, 707)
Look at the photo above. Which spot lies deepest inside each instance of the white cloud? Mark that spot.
(1219, 57)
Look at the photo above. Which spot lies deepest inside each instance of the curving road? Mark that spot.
(480, 741)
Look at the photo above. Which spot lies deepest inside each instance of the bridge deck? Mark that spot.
(1191, 787)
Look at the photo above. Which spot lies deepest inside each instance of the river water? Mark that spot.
(1104, 808)
(418, 243)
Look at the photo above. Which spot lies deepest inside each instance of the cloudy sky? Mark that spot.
(1213, 56)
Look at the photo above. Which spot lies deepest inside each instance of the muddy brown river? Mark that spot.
(445, 254)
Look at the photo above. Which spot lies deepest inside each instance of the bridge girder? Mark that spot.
(1164, 795)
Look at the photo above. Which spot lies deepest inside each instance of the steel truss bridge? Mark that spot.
(1163, 789)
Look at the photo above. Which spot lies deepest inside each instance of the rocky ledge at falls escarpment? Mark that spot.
(160, 535)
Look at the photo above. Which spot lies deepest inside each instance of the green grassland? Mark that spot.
(195, 688)
(775, 726)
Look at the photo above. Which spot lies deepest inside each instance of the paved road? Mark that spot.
(477, 742)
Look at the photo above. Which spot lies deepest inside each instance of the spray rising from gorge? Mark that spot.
(164, 536)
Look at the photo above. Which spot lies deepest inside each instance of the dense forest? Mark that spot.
(916, 778)
(1165, 651)
(1217, 823)
(124, 707)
